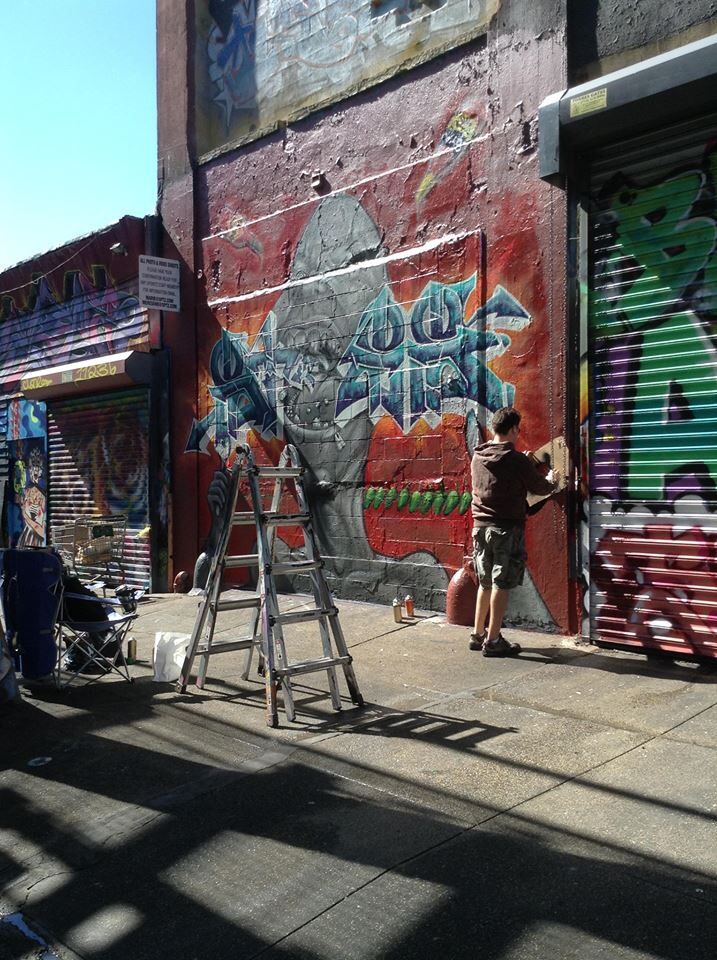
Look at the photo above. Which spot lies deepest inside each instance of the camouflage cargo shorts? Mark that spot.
(499, 556)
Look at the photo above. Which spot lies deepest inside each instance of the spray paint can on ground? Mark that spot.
(397, 610)
(409, 605)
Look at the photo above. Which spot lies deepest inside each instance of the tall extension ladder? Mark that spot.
(267, 620)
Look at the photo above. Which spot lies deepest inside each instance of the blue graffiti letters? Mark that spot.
(403, 363)
(433, 356)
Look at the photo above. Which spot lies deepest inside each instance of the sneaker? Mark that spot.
(500, 647)
(477, 641)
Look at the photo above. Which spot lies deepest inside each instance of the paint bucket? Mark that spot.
(170, 649)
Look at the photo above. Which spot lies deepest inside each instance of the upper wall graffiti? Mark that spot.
(90, 318)
(258, 64)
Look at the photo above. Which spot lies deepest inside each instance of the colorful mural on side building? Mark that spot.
(86, 318)
(653, 461)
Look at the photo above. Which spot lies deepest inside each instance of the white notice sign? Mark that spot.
(159, 283)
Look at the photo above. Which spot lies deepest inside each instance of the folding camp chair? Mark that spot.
(61, 634)
(91, 632)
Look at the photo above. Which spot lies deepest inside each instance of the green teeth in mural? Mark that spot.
(426, 501)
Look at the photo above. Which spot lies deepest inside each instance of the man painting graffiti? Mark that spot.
(366, 375)
(501, 479)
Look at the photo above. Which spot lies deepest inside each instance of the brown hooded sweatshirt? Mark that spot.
(502, 477)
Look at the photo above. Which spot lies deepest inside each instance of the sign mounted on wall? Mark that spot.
(159, 283)
(588, 102)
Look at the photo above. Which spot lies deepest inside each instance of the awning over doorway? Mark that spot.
(88, 376)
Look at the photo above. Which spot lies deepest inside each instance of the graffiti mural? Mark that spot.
(99, 465)
(383, 390)
(89, 318)
(455, 141)
(27, 450)
(258, 64)
(405, 366)
(109, 472)
(652, 315)
(656, 580)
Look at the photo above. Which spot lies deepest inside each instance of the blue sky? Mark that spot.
(78, 128)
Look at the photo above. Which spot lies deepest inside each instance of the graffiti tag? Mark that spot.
(407, 364)
(92, 318)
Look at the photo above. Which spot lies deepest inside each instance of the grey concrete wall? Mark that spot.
(604, 36)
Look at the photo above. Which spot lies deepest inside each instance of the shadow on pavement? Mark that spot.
(126, 851)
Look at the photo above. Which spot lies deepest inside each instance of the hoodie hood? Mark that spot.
(492, 455)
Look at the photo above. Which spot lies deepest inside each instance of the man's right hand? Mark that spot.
(554, 476)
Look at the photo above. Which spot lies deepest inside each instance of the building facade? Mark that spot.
(395, 217)
(83, 404)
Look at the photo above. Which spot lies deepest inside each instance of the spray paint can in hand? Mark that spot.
(397, 610)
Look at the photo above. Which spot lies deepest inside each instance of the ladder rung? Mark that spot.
(243, 517)
(295, 566)
(245, 560)
(298, 616)
(226, 645)
(312, 666)
(280, 472)
(243, 603)
(287, 519)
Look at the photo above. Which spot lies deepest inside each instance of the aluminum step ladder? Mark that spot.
(267, 620)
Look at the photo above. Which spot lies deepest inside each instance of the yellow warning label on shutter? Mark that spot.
(588, 102)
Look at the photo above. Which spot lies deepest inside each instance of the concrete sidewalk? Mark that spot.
(554, 806)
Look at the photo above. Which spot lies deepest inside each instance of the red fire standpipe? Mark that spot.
(461, 595)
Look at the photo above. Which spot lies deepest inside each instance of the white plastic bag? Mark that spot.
(170, 649)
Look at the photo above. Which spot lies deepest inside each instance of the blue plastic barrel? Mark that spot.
(30, 590)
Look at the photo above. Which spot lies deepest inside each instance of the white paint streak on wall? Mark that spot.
(352, 268)
(350, 188)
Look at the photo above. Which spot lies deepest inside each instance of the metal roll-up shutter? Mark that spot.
(652, 322)
(99, 465)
